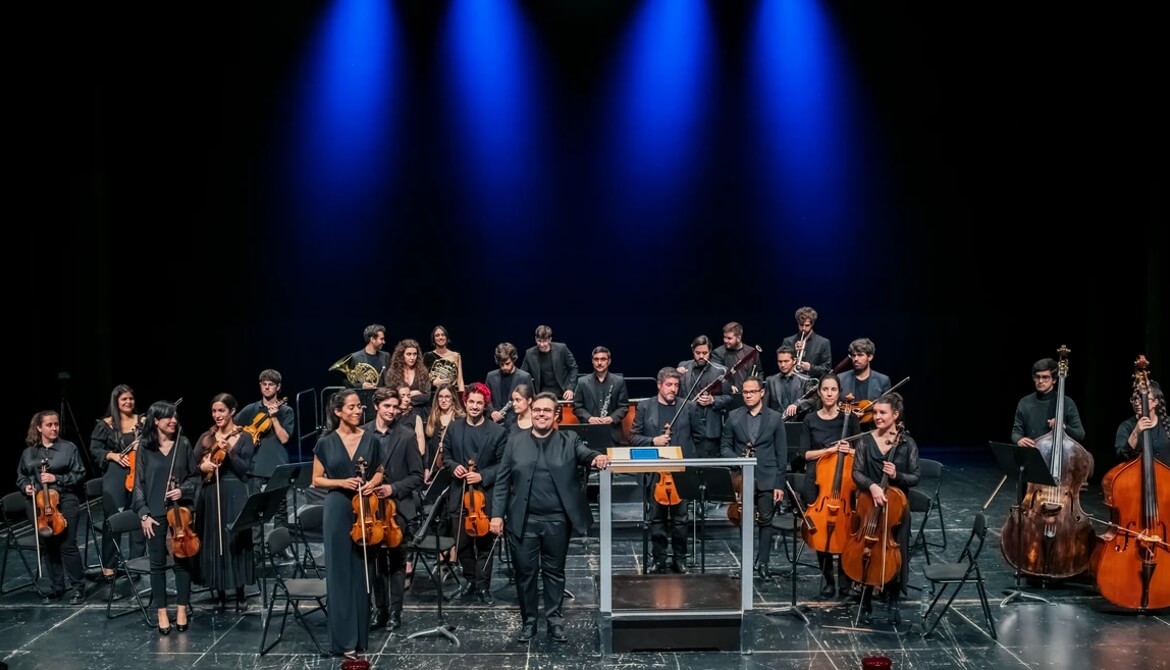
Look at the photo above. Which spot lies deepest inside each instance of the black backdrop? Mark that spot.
(1023, 195)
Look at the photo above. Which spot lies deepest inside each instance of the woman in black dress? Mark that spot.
(226, 562)
(335, 461)
(166, 472)
(449, 372)
(112, 446)
(1129, 433)
(822, 434)
(888, 451)
(520, 418)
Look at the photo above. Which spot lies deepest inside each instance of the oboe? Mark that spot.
(605, 403)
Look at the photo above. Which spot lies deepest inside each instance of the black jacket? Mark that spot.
(771, 446)
(564, 366)
(565, 453)
(649, 420)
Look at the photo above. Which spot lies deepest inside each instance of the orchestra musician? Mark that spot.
(161, 461)
(520, 419)
(409, 419)
(402, 475)
(407, 369)
(870, 461)
(863, 382)
(473, 438)
(1036, 412)
(445, 409)
(1129, 433)
(503, 379)
(698, 373)
(818, 353)
(65, 474)
(822, 433)
(540, 493)
(786, 390)
(109, 444)
(755, 430)
(650, 421)
(271, 451)
(440, 339)
(731, 352)
(601, 397)
(226, 560)
(372, 354)
(335, 459)
(551, 365)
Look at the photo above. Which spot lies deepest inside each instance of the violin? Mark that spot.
(863, 409)
(131, 454)
(391, 531)
(368, 527)
(183, 540)
(833, 507)
(735, 509)
(665, 492)
(872, 556)
(475, 519)
(46, 502)
(262, 422)
(220, 447)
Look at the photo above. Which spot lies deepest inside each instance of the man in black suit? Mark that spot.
(650, 428)
(791, 393)
(756, 430)
(502, 381)
(402, 475)
(731, 352)
(863, 382)
(552, 366)
(473, 439)
(539, 491)
(601, 397)
(817, 359)
(698, 373)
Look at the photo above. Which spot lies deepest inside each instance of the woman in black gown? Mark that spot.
(335, 460)
(164, 457)
(821, 434)
(225, 491)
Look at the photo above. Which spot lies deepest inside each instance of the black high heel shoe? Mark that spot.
(164, 631)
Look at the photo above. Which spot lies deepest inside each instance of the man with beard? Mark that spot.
(698, 373)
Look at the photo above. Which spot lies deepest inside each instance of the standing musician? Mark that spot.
(1036, 412)
(502, 380)
(863, 382)
(335, 460)
(1129, 433)
(409, 419)
(870, 462)
(407, 369)
(372, 354)
(111, 444)
(601, 397)
(650, 428)
(520, 419)
(817, 358)
(551, 364)
(787, 389)
(167, 474)
(473, 439)
(698, 373)
(822, 433)
(402, 475)
(226, 561)
(64, 472)
(271, 451)
(452, 361)
(539, 491)
(445, 409)
(755, 430)
(731, 351)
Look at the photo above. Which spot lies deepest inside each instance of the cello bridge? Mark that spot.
(1049, 508)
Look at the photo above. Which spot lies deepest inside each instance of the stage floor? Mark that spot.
(1078, 630)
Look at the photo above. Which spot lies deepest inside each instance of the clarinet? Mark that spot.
(605, 403)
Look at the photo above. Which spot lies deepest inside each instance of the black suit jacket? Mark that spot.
(710, 418)
(783, 391)
(878, 385)
(589, 394)
(817, 351)
(564, 366)
(457, 450)
(649, 420)
(493, 382)
(565, 453)
(771, 446)
(402, 466)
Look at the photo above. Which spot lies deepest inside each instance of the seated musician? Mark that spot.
(1129, 433)
(651, 421)
(601, 397)
(402, 475)
(863, 382)
(756, 431)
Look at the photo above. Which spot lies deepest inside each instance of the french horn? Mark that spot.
(444, 372)
(357, 374)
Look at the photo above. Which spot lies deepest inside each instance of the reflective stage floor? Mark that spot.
(1078, 629)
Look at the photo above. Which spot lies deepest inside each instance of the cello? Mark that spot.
(1125, 561)
(834, 504)
(872, 556)
(1049, 535)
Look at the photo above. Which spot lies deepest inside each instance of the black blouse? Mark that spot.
(868, 459)
(1159, 441)
(150, 477)
(64, 461)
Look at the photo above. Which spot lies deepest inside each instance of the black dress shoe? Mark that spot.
(679, 567)
(51, 596)
(242, 606)
(828, 591)
(486, 598)
(527, 632)
(765, 571)
(660, 568)
(395, 621)
(557, 633)
(380, 620)
(463, 591)
(182, 627)
(78, 597)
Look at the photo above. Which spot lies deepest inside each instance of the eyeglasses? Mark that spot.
(542, 410)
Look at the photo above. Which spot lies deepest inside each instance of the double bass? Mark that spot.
(833, 507)
(1125, 561)
(1049, 535)
(872, 556)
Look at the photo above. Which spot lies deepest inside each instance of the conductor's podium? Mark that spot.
(674, 612)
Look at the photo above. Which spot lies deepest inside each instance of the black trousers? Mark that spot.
(765, 510)
(473, 557)
(116, 498)
(707, 447)
(60, 551)
(542, 545)
(390, 577)
(157, 549)
(668, 521)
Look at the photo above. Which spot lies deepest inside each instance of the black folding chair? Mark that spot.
(292, 591)
(931, 471)
(127, 521)
(958, 574)
(920, 503)
(428, 547)
(17, 536)
(309, 529)
(93, 497)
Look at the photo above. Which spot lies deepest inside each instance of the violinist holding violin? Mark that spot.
(51, 465)
(473, 438)
(113, 445)
(402, 475)
(166, 475)
(863, 382)
(276, 429)
(873, 462)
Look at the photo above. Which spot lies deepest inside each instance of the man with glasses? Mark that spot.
(756, 431)
(863, 382)
(1036, 412)
(601, 398)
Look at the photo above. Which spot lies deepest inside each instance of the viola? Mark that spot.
(262, 423)
(220, 447)
(833, 507)
(368, 526)
(131, 454)
(475, 519)
(665, 492)
(872, 556)
(1125, 561)
(183, 540)
(46, 502)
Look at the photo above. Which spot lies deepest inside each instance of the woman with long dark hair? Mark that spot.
(113, 444)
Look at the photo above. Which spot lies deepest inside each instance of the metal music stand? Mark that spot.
(435, 494)
(294, 476)
(714, 485)
(691, 485)
(259, 508)
(1027, 465)
(797, 549)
